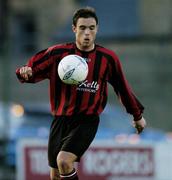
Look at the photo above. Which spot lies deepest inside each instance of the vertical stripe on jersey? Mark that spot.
(86, 95)
(99, 106)
(68, 92)
(62, 94)
(57, 87)
(79, 95)
(97, 68)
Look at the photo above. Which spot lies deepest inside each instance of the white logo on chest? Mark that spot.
(88, 86)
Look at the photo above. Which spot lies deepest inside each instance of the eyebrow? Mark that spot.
(87, 26)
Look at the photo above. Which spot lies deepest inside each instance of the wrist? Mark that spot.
(137, 117)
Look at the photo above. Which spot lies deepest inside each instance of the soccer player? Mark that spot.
(76, 109)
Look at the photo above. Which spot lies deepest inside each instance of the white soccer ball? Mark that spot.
(72, 69)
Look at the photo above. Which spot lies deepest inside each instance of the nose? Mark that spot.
(87, 31)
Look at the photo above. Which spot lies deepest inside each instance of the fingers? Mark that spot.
(139, 128)
(26, 72)
(139, 125)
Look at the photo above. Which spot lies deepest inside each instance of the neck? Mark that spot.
(85, 48)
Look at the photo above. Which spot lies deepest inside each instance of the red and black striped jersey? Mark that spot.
(90, 96)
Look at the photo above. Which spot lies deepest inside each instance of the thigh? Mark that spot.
(57, 133)
(80, 138)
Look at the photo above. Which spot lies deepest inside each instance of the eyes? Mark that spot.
(82, 28)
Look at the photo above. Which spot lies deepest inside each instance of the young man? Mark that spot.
(76, 109)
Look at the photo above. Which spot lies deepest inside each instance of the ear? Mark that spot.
(97, 28)
(73, 28)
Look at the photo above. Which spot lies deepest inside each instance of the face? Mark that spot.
(85, 33)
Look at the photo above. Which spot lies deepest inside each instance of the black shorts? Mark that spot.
(72, 134)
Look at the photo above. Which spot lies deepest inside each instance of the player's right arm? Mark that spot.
(37, 67)
(25, 72)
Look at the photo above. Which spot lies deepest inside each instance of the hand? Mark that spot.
(26, 72)
(139, 125)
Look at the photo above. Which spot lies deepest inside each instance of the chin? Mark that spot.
(85, 45)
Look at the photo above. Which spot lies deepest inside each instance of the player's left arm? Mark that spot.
(139, 125)
(126, 95)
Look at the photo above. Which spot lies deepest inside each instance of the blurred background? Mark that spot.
(139, 31)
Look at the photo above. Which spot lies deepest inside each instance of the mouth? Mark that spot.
(86, 39)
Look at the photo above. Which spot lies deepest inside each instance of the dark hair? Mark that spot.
(86, 12)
